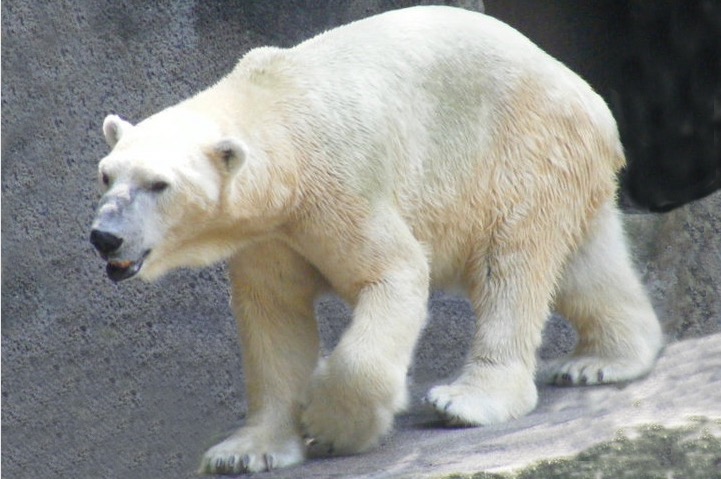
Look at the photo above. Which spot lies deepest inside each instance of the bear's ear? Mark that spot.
(229, 155)
(113, 129)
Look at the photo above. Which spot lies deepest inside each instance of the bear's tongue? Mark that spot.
(121, 270)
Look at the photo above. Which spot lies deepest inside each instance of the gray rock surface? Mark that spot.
(679, 255)
(136, 380)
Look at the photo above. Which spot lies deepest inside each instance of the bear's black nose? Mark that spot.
(106, 243)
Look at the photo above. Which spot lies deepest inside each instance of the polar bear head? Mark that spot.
(178, 191)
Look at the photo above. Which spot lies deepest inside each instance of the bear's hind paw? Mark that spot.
(463, 405)
(591, 370)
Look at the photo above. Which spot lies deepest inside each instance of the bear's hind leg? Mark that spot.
(511, 289)
(273, 290)
(603, 298)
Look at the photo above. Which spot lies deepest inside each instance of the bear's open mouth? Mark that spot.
(121, 270)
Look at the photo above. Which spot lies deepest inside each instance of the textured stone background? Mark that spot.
(136, 380)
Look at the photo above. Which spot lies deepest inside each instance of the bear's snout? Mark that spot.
(106, 243)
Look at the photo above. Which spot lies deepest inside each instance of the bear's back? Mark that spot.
(445, 113)
(421, 36)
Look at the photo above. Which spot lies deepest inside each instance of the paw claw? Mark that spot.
(233, 465)
(270, 462)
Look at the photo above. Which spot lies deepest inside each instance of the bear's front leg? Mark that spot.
(355, 393)
(273, 290)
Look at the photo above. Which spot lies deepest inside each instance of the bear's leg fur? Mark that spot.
(355, 393)
(601, 295)
(510, 288)
(273, 291)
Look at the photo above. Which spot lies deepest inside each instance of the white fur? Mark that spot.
(426, 146)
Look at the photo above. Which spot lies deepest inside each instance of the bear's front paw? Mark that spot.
(345, 413)
(253, 450)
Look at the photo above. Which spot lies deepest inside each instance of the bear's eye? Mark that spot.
(158, 186)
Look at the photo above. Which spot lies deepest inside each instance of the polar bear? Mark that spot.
(424, 147)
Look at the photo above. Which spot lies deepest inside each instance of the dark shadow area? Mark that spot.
(658, 66)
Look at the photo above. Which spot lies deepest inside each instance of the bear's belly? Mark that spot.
(449, 248)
